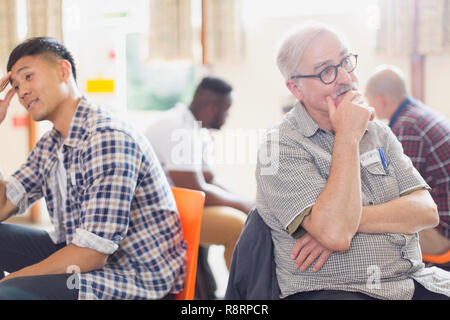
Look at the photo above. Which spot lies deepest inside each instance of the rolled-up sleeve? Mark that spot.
(17, 194)
(25, 186)
(110, 165)
(90, 240)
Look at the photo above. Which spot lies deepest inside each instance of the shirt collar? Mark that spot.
(56, 136)
(399, 111)
(307, 126)
(188, 116)
(78, 124)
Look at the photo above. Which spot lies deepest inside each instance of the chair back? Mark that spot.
(190, 205)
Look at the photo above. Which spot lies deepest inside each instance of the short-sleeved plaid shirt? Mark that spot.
(425, 136)
(380, 265)
(114, 198)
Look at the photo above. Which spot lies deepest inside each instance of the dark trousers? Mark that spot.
(329, 295)
(205, 284)
(420, 293)
(20, 247)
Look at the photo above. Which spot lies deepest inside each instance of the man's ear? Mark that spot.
(295, 88)
(65, 69)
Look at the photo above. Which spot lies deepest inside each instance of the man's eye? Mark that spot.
(346, 62)
(328, 71)
(16, 88)
(28, 77)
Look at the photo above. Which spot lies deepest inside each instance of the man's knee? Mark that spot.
(4, 228)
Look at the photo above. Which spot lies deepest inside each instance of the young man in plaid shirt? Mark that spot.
(115, 218)
(425, 137)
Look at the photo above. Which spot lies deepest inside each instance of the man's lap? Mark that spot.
(329, 295)
(21, 246)
(45, 287)
(420, 293)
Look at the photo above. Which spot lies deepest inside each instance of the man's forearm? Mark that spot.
(84, 259)
(216, 196)
(408, 214)
(335, 215)
(6, 207)
(3, 214)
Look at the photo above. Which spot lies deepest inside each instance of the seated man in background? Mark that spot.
(425, 137)
(114, 217)
(184, 147)
(345, 204)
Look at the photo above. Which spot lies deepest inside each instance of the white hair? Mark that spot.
(293, 45)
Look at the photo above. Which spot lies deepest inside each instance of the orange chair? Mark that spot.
(442, 260)
(190, 207)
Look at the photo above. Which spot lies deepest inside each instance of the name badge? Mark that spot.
(370, 157)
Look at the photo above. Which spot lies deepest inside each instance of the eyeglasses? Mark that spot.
(330, 73)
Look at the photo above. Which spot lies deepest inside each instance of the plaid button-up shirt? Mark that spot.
(379, 265)
(105, 190)
(425, 136)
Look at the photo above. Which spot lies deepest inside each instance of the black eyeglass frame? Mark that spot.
(336, 67)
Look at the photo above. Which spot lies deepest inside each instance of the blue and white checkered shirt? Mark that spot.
(110, 195)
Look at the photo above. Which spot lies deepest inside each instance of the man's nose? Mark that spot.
(343, 77)
(23, 91)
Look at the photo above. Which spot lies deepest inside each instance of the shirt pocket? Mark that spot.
(379, 184)
(377, 168)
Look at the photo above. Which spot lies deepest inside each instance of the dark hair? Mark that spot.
(41, 45)
(215, 85)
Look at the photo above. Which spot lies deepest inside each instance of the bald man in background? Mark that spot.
(425, 137)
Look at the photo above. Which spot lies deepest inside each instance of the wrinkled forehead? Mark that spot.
(326, 48)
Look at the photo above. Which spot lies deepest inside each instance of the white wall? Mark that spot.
(13, 140)
(437, 82)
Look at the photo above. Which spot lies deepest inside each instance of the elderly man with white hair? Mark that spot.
(345, 204)
(425, 137)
